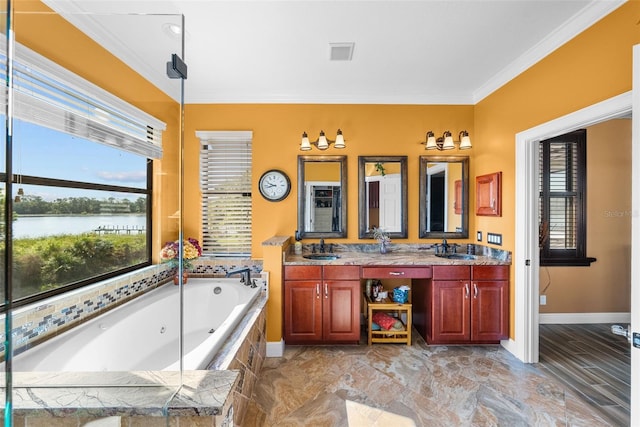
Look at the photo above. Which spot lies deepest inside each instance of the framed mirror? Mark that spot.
(444, 197)
(322, 196)
(382, 195)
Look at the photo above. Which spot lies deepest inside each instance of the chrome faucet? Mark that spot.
(245, 273)
(321, 246)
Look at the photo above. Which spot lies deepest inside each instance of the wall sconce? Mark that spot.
(446, 142)
(322, 143)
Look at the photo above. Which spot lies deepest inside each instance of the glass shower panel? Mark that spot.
(91, 174)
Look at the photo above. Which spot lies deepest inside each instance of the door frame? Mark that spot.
(526, 260)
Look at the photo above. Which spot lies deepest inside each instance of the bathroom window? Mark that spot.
(80, 185)
(562, 228)
(225, 181)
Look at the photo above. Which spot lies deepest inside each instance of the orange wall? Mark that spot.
(604, 287)
(594, 66)
(369, 130)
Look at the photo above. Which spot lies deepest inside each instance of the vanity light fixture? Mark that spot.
(446, 142)
(322, 143)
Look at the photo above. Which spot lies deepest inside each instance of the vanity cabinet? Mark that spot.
(468, 304)
(321, 304)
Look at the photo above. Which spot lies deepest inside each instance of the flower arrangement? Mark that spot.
(170, 252)
(382, 237)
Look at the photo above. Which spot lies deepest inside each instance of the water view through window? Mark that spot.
(79, 210)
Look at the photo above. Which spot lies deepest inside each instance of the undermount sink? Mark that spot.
(321, 257)
(458, 256)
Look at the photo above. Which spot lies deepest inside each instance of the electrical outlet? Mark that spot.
(543, 300)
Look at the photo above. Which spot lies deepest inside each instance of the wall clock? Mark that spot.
(274, 185)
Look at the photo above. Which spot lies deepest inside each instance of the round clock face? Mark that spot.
(274, 185)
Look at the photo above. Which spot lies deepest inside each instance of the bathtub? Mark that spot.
(143, 334)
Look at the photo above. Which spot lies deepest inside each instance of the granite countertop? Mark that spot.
(150, 393)
(416, 255)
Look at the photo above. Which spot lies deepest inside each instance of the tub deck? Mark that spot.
(122, 394)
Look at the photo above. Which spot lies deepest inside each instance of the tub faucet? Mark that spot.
(245, 275)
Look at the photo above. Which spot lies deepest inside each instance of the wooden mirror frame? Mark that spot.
(423, 233)
(342, 232)
(362, 194)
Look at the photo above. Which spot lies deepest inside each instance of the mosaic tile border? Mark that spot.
(38, 322)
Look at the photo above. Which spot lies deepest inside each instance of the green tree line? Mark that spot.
(36, 205)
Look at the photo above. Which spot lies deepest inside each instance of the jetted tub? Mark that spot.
(142, 334)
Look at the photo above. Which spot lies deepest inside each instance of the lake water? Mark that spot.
(37, 226)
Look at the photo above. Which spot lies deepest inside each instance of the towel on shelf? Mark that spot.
(387, 322)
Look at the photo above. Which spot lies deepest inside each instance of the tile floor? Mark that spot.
(397, 385)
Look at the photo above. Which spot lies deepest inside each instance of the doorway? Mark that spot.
(526, 262)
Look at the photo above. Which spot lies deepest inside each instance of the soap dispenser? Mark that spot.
(297, 247)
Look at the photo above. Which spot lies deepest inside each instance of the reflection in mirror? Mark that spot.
(444, 197)
(322, 192)
(382, 195)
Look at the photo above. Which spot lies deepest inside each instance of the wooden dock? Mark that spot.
(125, 229)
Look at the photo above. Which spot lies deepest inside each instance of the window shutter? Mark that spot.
(46, 94)
(562, 200)
(562, 195)
(225, 181)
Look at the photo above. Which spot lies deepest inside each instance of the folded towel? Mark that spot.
(384, 320)
(375, 326)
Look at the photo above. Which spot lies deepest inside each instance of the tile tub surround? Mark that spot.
(243, 354)
(37, 322)
(143, 398)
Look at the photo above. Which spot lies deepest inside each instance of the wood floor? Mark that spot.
(593, 363)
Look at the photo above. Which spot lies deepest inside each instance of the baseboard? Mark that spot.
(568, 318)
(275, 348)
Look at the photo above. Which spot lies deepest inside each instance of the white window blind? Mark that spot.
(225, 181)
(46, 94)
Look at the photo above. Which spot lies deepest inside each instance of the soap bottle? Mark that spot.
(297, 247)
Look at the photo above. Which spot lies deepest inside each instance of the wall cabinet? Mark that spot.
(489, 194)
(321, 304)
(468, 304)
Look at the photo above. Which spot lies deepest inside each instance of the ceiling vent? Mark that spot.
(341, 51)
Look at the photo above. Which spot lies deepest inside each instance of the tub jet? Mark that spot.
(217, 290)
(211, 330)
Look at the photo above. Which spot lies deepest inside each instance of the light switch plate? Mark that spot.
(494, 238)
(479, 236)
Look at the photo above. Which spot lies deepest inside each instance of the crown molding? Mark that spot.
(588, 16)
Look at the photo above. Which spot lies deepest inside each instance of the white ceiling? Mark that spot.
(264, 51)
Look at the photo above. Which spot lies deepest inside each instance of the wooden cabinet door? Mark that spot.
(450, 321)
(341, 310)
(489, 310)
(302, 311)
(489, 194)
